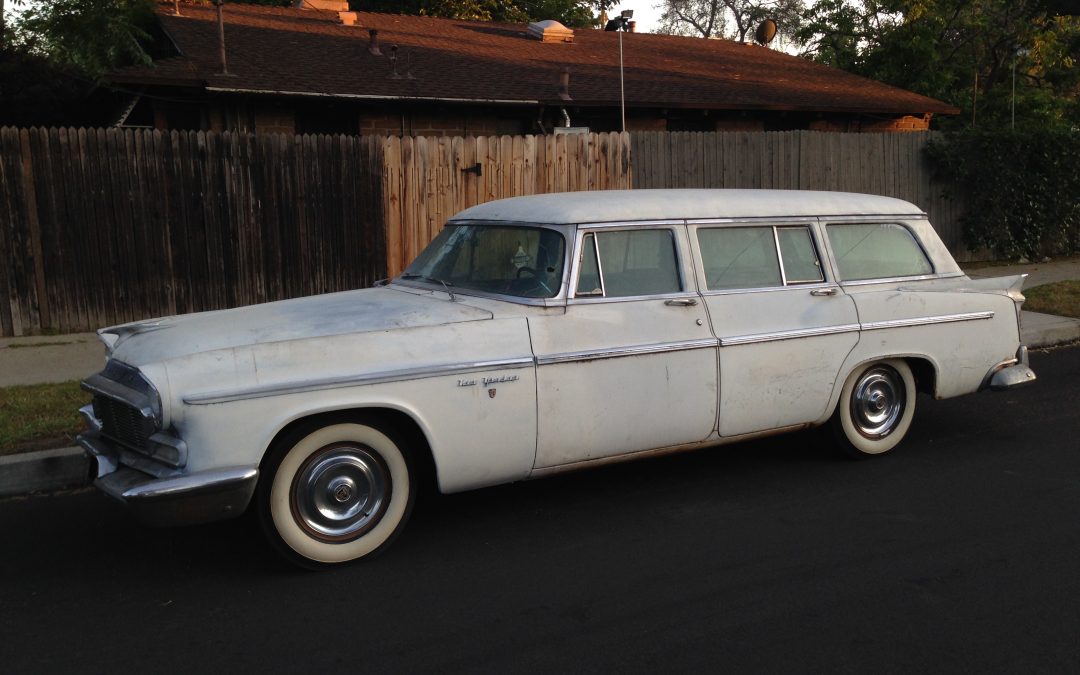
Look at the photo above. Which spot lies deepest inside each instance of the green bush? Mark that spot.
(1021, 189)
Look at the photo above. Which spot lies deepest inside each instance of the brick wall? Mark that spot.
(275, 121)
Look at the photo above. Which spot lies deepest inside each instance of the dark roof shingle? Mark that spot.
(308, 52)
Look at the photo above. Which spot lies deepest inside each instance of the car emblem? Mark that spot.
(491, 393)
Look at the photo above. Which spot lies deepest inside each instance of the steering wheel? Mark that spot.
(537, 281)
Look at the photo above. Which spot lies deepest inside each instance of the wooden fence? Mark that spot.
(883, 164)
(427, 180)
(99, 227)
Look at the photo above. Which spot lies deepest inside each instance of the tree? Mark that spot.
(733, 19)
(91, 37)
(960, 51)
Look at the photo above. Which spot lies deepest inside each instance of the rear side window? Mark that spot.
(628, 263)
(746, 257)
(801, 265)
(877, 251)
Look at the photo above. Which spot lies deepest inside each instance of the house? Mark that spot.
(298, 70)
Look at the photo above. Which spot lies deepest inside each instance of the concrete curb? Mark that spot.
(44, 470)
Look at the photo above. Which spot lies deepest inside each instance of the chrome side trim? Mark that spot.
(788, 334)
(925, 320)
(893, 280)
(616, 352)
(851, 327)
(769, 289)
(383, 377)
(596, 299)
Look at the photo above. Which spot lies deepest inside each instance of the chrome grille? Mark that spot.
(123, 423)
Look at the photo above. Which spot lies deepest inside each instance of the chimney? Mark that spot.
(564, 85)
(632, 25)
(373, 42)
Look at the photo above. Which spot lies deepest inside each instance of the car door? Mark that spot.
(631, 365)
(784, 326)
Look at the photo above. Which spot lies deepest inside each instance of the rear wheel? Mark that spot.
(875, 408)
(335, 492)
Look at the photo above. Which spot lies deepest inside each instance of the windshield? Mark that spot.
(526, 262)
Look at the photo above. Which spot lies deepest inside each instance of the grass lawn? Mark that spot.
(40, 416)
(1061, 298)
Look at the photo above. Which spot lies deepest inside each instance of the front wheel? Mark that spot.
(335, 493)
(875, 408)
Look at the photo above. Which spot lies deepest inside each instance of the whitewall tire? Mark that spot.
(336, 492)
(875, 409)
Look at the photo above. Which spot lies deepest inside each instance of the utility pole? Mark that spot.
(621, 25)
(221, 36)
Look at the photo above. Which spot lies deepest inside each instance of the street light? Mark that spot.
(621, 24)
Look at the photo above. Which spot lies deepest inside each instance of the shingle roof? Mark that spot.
(308, 52)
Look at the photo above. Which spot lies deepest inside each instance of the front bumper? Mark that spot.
(1010, 373)
(177, 499)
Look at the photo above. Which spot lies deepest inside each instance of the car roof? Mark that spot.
(607, 206)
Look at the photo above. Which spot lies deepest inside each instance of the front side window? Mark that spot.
(739, 257)
(519, 261)
(628, 263)
(876, 251)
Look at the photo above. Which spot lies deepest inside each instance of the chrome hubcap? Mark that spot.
(340, 492)
(877, 402)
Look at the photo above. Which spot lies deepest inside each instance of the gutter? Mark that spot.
(583, 104)
(371, 97)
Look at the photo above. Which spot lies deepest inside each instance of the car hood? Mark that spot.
(374, 309)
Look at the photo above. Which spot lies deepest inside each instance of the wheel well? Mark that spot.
(405, 426)
(924, 373)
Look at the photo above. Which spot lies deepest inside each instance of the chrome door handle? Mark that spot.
(823, 292)
(681, 302)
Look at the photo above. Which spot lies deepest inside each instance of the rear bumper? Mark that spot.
(179, 499)
(1010, 373)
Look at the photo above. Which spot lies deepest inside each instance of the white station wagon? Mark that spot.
(543, 334)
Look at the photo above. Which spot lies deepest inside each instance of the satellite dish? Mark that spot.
(765, 32)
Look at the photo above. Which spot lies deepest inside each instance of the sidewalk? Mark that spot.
(49, 358)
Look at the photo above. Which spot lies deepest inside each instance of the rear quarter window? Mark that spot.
(876, 251)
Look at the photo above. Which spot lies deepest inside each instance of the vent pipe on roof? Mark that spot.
(373, 42)
(221, 36)
(564, 86)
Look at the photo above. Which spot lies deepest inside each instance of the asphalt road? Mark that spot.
(958, 553)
